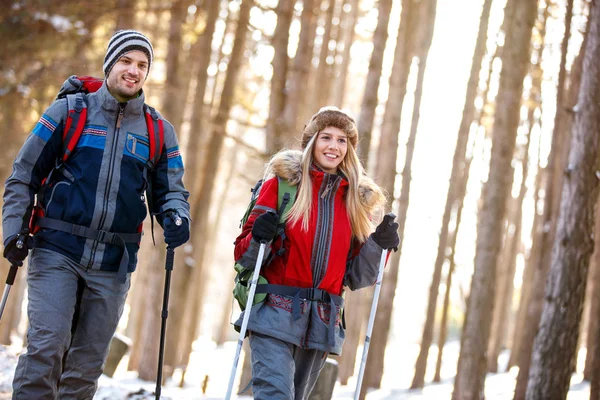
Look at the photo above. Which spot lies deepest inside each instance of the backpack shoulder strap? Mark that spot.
(286, 195)
(74, 124)
(156, 139)
(156, 135)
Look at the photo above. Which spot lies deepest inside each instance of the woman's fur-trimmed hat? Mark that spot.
(330, 116)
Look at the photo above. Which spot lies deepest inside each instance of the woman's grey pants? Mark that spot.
(281, 370)
(59, 364)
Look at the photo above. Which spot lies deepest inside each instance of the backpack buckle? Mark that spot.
(105, 237)
(78, 102)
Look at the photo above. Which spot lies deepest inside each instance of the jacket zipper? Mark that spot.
(113, 149)
(325, 211)
(327, 189)
(135, 141)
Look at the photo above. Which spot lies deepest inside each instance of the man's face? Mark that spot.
(128, 75)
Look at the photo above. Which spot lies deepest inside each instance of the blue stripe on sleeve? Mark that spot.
(174, 158)
(45, 127)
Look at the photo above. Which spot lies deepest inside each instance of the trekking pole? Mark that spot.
(165, 308)
(389, 218)
(250, 301)
(10, 279)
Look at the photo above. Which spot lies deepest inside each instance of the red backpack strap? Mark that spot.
(156, 135)
(76, 116)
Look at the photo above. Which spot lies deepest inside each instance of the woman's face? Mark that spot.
(330, 149)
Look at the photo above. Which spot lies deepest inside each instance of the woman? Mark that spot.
(327, 244)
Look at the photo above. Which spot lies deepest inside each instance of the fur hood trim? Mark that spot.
(287, 164)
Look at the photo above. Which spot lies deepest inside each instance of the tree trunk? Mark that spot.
(460, 198)
(281, 37)
(451, 197)
(553, 358)
(213, 153)
(505, 281)
(528, 273)
(182, 277)
(348, 25)
(469, 382)
(125, 14)
(246, 374)
(138, 298)
(356, 307)
(12, 311)
(148, 341)
(201, 54)
(173, 101)
(550, 216)
(296, 90)
(594, 301)
(366, 118)
(425, 13)
(321, 84)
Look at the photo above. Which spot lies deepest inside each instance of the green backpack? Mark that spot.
(285, 193)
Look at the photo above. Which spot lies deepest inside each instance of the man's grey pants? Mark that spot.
(281, 370)
(58, 364)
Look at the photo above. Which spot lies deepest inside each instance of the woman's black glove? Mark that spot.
(265, 227)
(386, 234)
(14, 254)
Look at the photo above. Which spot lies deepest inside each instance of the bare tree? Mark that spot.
(172, 106)
(125, 14)
(296, 89)
(550, 216)
(277, 101)
(553, 358)
(458, 164)
(148, 340)
(453, 235)
(321, 85)
(411, 40)
(469, 382)
(200, 214)
(512, 243)
(347, 26)
(366, 118)
(594, 300)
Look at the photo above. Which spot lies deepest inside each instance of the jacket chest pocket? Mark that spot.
(137, 147)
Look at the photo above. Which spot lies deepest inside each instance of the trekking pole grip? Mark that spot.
(170, 258)
(389, 218)
(12, 273)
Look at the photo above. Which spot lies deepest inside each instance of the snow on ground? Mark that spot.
(214, 364)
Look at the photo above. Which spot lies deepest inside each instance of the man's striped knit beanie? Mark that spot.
(123, 42)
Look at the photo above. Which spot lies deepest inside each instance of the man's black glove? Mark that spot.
(265, 227)
(15, 255)
(386, 235)
(176, 235)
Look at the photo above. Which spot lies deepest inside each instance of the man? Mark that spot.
(93, 205)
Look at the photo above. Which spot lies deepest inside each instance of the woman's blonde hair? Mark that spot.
(360, 213)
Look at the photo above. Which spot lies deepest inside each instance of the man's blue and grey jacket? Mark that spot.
(100, 186)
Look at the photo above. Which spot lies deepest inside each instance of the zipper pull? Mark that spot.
(327, 189)
(120, 117)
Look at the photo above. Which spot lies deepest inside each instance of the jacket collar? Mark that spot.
(287, 164)
(319, 175)
(109, 103)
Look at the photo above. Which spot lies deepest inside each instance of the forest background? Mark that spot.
(478, 117)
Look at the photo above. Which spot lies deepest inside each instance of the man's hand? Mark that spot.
(16, 248)
(176, 235)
